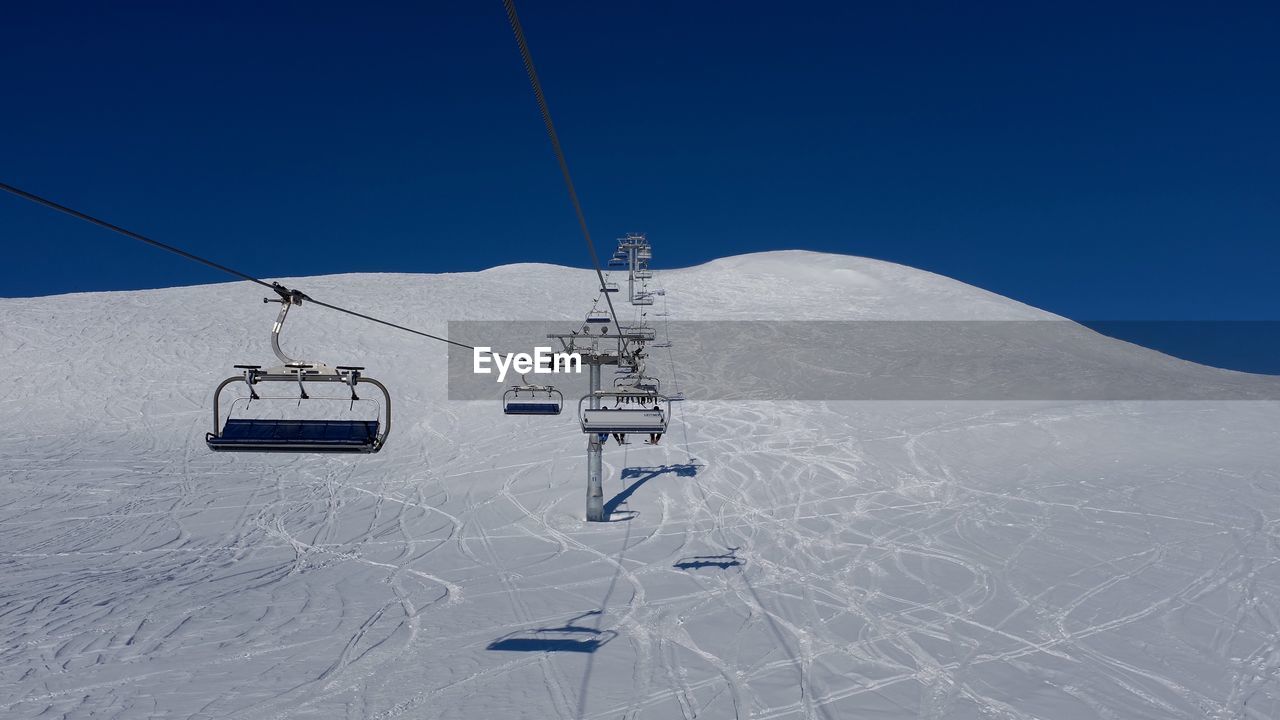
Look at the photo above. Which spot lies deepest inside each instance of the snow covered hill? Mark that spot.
(770, 559)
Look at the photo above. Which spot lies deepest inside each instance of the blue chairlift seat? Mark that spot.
(349, 436)
(532, 400)
(530, 407)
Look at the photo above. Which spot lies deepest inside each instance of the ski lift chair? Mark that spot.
(633, 411)
(297, 435)
(633, 381)
(641, 332)
(532, 400)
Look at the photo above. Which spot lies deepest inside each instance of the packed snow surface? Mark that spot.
(766, 560)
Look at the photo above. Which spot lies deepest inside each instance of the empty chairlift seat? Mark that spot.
(296, 435)
(532, 400)
(331, 435)
(242, 434)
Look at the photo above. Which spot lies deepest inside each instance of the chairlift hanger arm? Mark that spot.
(286, 301)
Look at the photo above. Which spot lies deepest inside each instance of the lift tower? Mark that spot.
(594, 357)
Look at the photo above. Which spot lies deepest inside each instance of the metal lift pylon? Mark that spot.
(594, 358)
(595, 457)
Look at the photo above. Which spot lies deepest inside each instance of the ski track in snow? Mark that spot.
(826, 560)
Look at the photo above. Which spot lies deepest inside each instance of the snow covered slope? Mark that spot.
(818, 560)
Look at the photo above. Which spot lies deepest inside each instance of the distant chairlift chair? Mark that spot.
(636, 381)
(314, 436)
(532, 400)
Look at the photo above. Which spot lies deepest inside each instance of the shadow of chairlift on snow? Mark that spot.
(567, 638)
(642, 475)
(723, 562)
(681, 470)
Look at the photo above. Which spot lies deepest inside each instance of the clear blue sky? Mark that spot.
(1103, 161)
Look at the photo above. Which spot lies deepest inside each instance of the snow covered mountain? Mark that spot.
(770, 559)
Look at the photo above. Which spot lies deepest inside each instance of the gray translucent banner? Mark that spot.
(895, 360)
